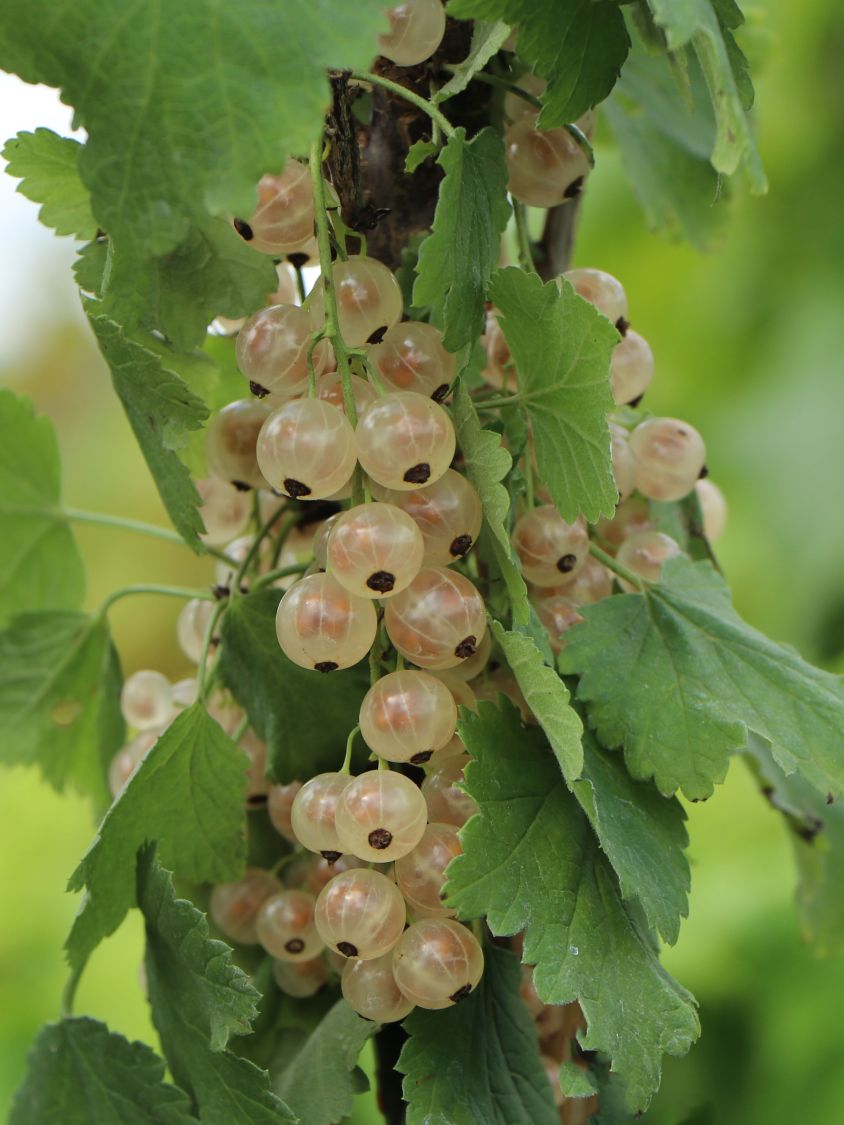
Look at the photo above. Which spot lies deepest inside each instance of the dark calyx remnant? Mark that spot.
(330, 857)
(460, 546)
(467, 647)
(418, 474)
(382, 581)
(622, 325)
(326, 666)
(461, 994)
(422, 756)
(295, 488)
(242, 486)
(441, 393)
(575, 188)
(244, 230)
(380, 838)
(347, 949)
(377, 336)
(295, 945)
(257, 390)
(567, 563)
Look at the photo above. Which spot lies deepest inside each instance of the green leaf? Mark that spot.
(199, 998)
(212, 273)
(487, 40)
(320, 1082)
(458, 257)
(699, 25)
(532, 863)
(417, 154)
(59, 698)
(677, 678)
(816, 830)
(48, 168)
(162, 412)
(303, 717)
(40, 564)
(547, 696)
(642, 835)
(187, 794)
(185, 105)
(479, 1060)
(562, 347)
(577, 45)
(575, 1081)
(80, 1073)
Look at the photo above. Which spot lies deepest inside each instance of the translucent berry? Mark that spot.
(645, 554)
(285, 926)
(437, 963)
(589, 585)
(230, 443)
(375, 550)
(438, 621)
(306, 449)
(185, 692)
(280, 800)
(321, 625)
(146, 700)
(631, 516)
(360, 913)
(714, 508)
(448, 804)
(420, 874)
(447, 512)
(623, 462)
(192, 625)
(330, 390)
(320, 870)
(124, 761)
(411, 357)
(405, 716)
(632, 368)
(549, 549)
(370, 989)
(557, 614)
(369, 299)
(460, 691)
(503, 682)
(380, 816)
(272, 350)
(416, 30)
(603, 290)
(321, 540)
(284, 217)
(257, 784)
(669, 457)
(234, 906)
(517, 107)
(552, 1071)
(405, 440)
(286, 291)
(224, 509)
(300, 978)
(499, 371)
(545, 167)
(313, 811)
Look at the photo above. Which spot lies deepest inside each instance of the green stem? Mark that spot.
(435, 114)
(202, 677)
(347, 761)
(617, 568)
(523, 236)
(123, 523)
(495, 403)
(69, 993)
(502, 84)
(273, 575)
(286, 524)
(152, 588)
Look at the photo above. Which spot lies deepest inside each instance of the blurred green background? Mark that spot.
(749, 342)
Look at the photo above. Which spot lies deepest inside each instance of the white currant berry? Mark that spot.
(517, 107)
(123, 763)
(192, 625)
(420, 875)
(631, 517)
(406, 716)
(645, 554)
(284, 217)
(320, 870)
(280, 800)
(146, 700)
(623, 462)
(272, 350)
(257, 784)
(321, 625)
(405, 440)
(545, 167)
(602, 290)
(411, 357)
(461, 692)
(437, 962)
(360, 913)
(306, 449)
(234, 906)
(370, 989)
(330, 389)
(549, 549)
(285, 926)
(713, 505)
(380, 816)
(313, 811)
(416, 30)
(224, 509)
(670, 455)
(590, 584)
(369, 299)
(557, 614)
(447, 803)
(230, 443)
(300, 979)
(375, 550)
(448, 513)
(438, 621)
(632, 368)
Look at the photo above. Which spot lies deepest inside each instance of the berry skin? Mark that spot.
(645, 554)
(272, 350)
(321, 625)
(447, 804)
(557, 614)
(420, 875)
(360, 913)
(448, 513)
(631, 516)
(300, 978)
(411, 357)
(146, 700)
(632, 368)
(670, 455)
(623, 462)
(257, 784)
(234, 906)
(438, 621)
(405, 441)
(285, 926)
(284, 218)
(313, 811)
(545, 167)
(437, 963)
(370, 988)
(369, 299)
(406, 716)
(306, 449)
(380, 816)
(549, 549)
(416, 30)
(230, 443)
(375, 550)
(280, 800)
(603, 290)
(714, 508)
(224, 510)
(330, 389)
(124, 761)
